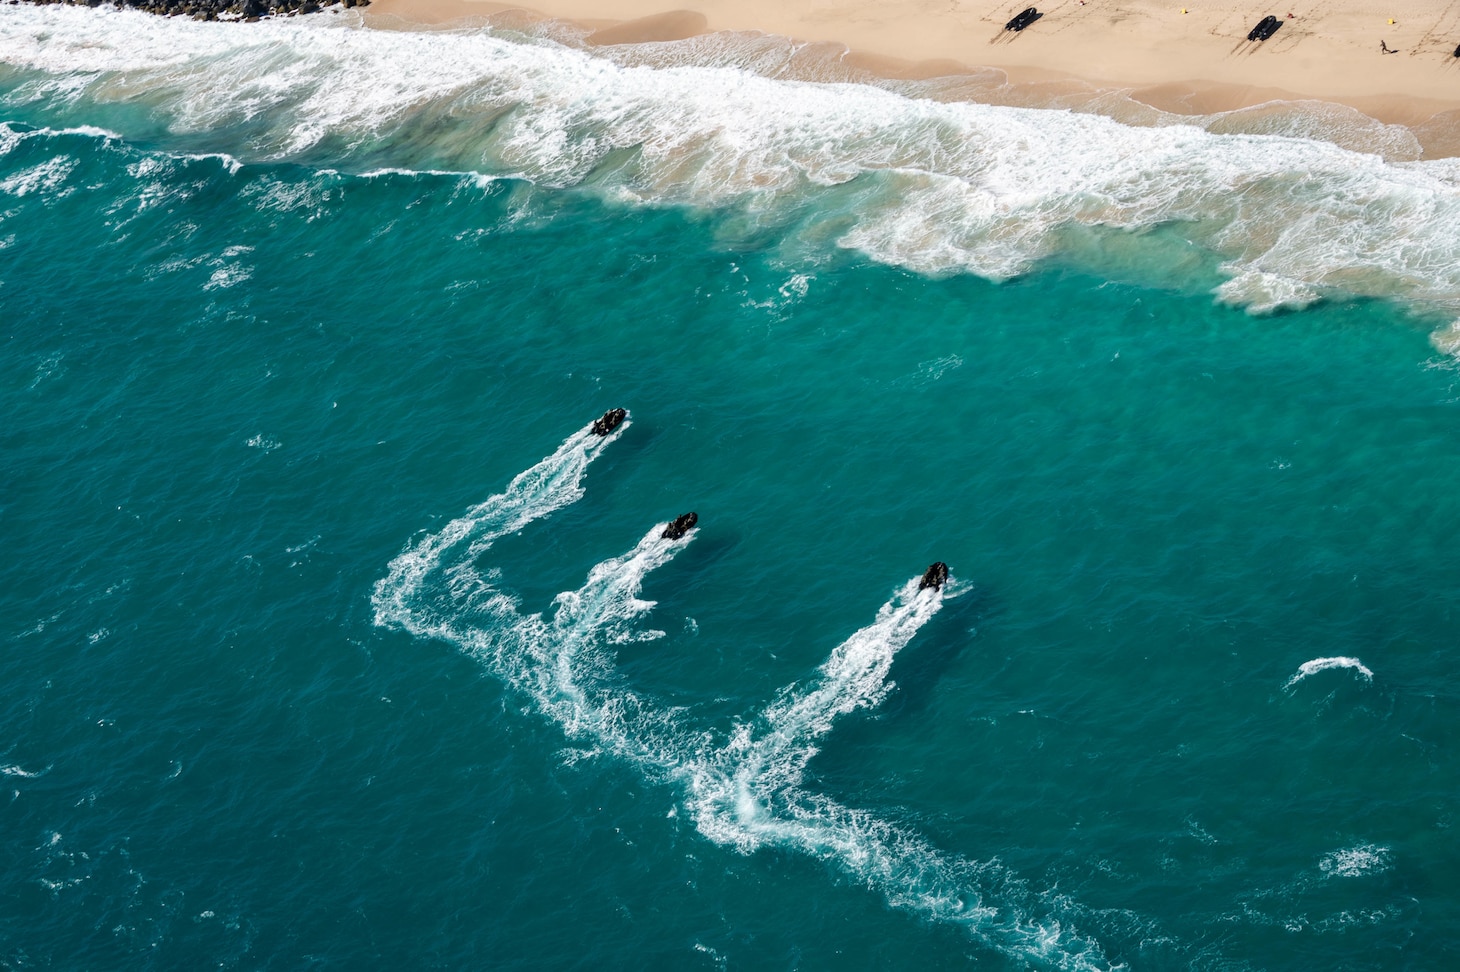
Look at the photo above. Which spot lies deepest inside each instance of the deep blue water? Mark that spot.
(291, 678)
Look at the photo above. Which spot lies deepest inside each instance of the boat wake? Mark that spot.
(744, 791)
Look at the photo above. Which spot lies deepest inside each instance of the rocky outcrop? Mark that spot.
(215, 9)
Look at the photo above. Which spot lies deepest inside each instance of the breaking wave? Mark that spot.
(743, 791)
(1317, 665)
(927, 184)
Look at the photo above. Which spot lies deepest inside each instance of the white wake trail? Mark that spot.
(986, 899)
(749, 796)
(774, 753)
(571, 662)
(404, 598)
(744, 792)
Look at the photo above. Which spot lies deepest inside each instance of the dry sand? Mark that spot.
(1193, 62)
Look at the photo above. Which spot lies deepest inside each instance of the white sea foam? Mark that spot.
(14, 770)
(228, 275)
(1316, 665)
(930, 185)
(48, 368)
(46, 176)
(744, 791)
(12, 136)
(1357, 861)
(1260, 291)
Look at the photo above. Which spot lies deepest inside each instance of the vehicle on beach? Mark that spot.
(1025, 17)
(1265, 28)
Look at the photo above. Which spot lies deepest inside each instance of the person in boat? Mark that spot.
(935, 577)
(609, 421)
(681, 525)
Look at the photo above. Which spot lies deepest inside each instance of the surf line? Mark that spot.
(743, 792)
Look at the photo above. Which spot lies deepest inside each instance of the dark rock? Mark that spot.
(249, 11)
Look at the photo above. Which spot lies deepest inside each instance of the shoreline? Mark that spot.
(1197, 63)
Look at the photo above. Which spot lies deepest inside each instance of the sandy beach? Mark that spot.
(1191, 60)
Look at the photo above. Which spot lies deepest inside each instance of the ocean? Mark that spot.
(336, 640)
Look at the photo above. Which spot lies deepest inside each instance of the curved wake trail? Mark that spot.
(744, 792)
(854, 677)
(433, 589)
(404, 597)
(752, 798)
(572, 660)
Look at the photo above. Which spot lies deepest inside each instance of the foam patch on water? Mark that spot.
(1317, 665)
(1262, 292)
(933, 186)
(45, 177)
(1357, 861)
(226, 276)
(18, 771)
(744, 791)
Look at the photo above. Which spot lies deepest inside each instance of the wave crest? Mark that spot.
(930, 185)
(1317, 665)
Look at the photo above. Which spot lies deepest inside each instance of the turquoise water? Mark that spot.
(326, 622)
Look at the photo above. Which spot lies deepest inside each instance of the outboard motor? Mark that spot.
(682, 524)
(609, 421)
(935, 577)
